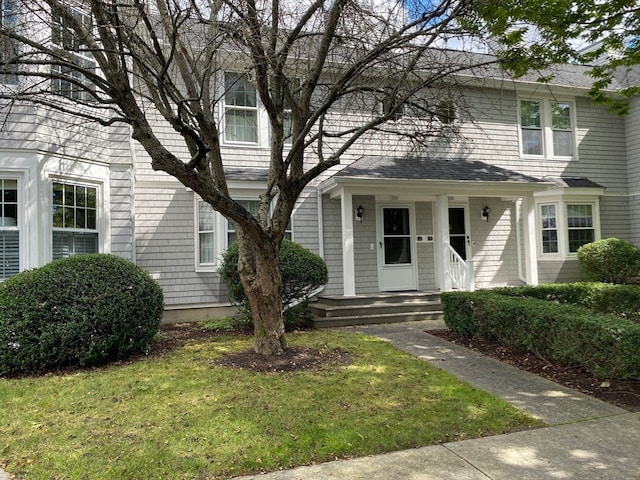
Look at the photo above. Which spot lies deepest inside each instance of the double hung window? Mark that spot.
(72, 82)
(74, 220)
(546, 128)
(215, 233)
(565, 227)
(240, 109)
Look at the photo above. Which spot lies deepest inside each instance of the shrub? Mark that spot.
(569, 334)
(302, 273)
(83, 310)
(609, 260)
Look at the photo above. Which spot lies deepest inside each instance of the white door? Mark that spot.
(396, 260)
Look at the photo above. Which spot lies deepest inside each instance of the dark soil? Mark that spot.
(623, 393)
(293, 358)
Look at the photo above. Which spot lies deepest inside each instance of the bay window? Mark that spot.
(74, 220)
(565, 226)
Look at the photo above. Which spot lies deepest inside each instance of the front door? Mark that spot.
(396, 256)
(458, 231)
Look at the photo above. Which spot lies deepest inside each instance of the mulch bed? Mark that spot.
(622, 393)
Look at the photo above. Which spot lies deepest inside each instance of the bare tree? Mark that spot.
(117, 61)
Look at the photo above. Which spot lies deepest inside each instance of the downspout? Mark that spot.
(132, 147)
(320, 225)
(518, 208)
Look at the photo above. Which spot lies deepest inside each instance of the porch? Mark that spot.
(407, 224)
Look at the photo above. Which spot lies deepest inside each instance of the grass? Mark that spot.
(180, 417)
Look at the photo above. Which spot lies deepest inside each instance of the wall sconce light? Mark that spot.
(485, 213)
(360, 213)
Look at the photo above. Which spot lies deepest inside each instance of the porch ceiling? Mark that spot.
(442, 175)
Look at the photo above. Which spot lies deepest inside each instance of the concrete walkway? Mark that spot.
(587, 439)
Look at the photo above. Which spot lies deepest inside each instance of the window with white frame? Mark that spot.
(546, 128)
(8, 45)
(9, 230)
(216, 233)
(240, 109)
(580, 226)
(71, 82)
(566, 226)
(74, 219)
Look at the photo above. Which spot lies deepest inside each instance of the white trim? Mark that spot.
(348, 255)
(546, 127)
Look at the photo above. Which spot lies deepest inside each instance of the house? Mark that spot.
(534, 173)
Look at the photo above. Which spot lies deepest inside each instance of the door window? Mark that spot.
(397, 236)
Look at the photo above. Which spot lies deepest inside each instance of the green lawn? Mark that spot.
(181, 417)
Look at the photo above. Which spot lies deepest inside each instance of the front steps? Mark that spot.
(339, 311)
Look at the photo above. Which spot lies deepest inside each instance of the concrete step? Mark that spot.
(339, 311)
(328, 322)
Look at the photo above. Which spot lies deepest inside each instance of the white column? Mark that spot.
(441, 239)
(348, 259)
(530, 253)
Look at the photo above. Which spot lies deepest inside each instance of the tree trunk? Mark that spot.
(260, 276)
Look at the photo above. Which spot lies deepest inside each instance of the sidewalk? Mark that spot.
(587, 439)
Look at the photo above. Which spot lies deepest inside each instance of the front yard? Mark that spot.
(177, 414)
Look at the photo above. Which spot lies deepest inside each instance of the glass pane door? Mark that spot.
(396, 235)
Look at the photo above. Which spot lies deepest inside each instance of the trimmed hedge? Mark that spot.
(620, 300)
(83, 310)
(604, 344)
(302, 273)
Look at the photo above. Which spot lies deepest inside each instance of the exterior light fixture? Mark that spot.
(485, 213)
(360, 213)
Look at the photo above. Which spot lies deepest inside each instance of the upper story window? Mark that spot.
(8, 45)
(546, 128)
(9, 230)
(68, 82)
(74, 220)
(240, 109)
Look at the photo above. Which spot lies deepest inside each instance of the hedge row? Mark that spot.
(604, 344)
(620, 300)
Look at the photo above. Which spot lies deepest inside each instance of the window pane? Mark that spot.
(530, 114)
(207, 248)
(550, 241)
(579, 216)
(397, 250)
(66, 244)
(241, 125)
(531, 142)
(577, 238)
(562, 143)
(239, 91)
(560, 116)
(206, 217)
(396, 221)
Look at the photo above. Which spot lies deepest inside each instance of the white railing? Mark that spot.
(459, 271)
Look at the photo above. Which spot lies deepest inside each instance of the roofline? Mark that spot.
(444, 187)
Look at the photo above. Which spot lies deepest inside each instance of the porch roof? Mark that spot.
(420, 168)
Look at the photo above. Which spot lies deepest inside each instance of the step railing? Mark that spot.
(459, 271)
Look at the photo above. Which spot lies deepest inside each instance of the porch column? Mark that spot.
(530, 253)
(442, 237)
(348, 259)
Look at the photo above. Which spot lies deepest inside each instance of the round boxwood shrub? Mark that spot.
(302, 273)
(83, 310)
(609, 260)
